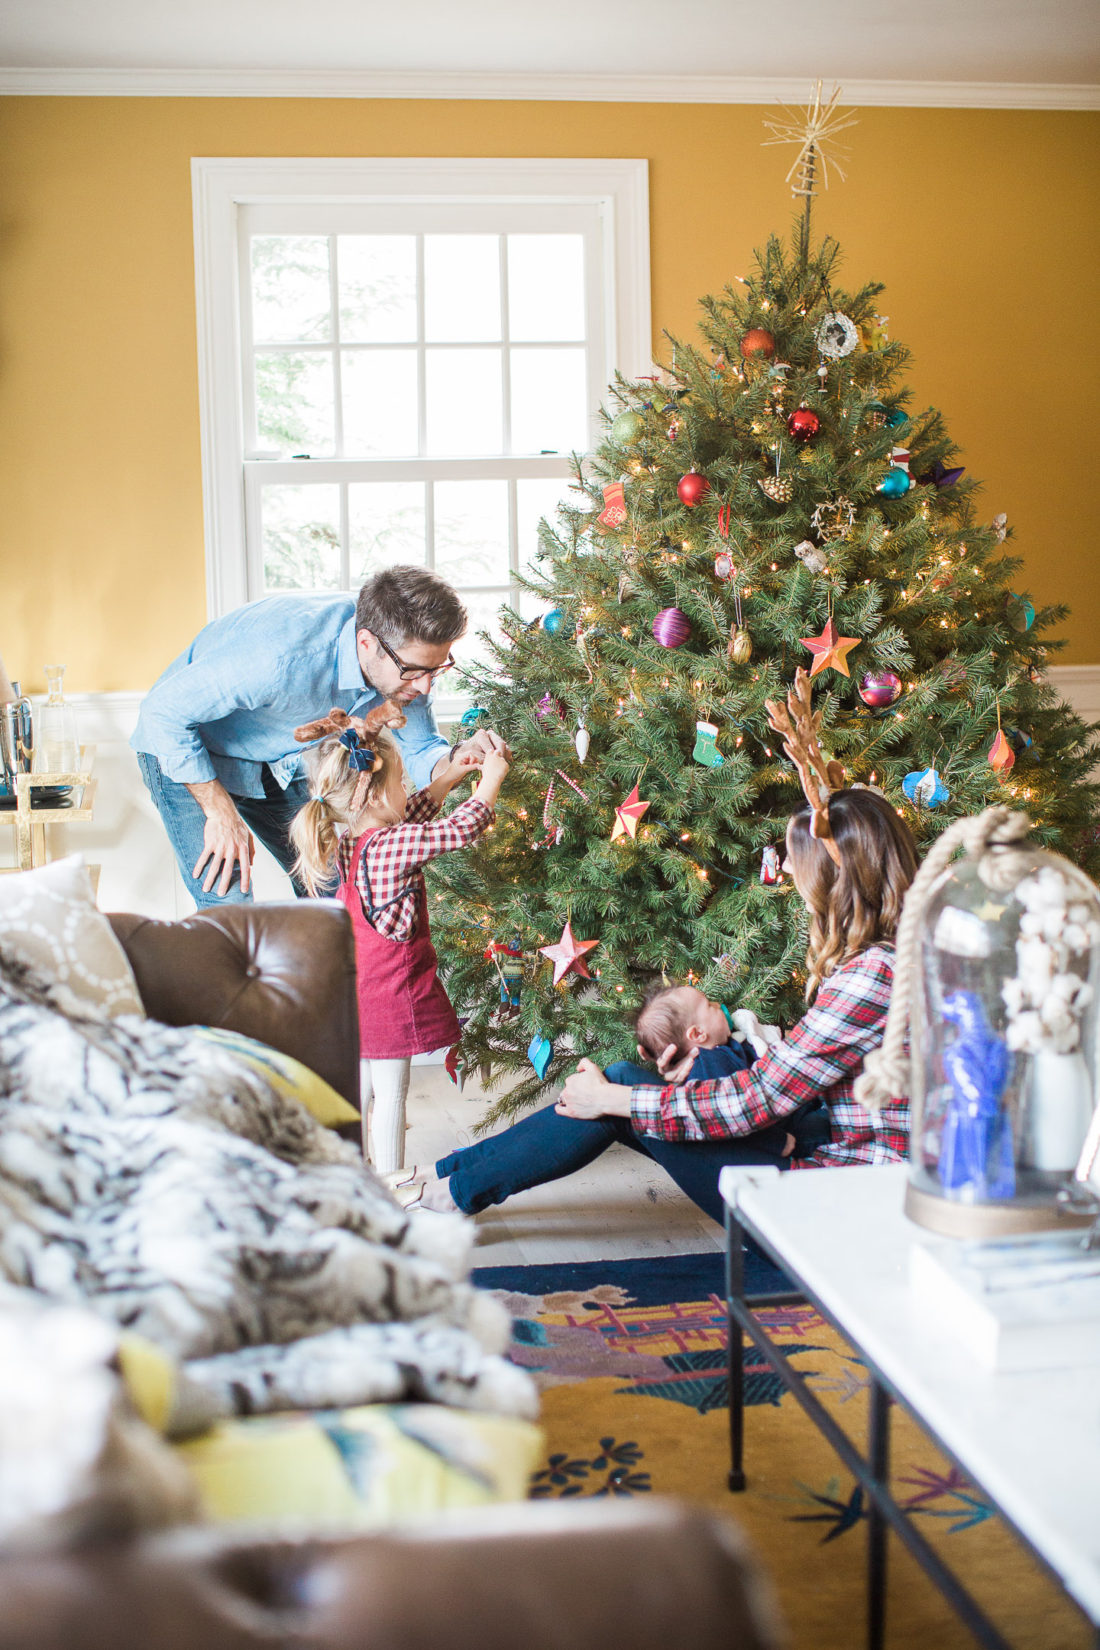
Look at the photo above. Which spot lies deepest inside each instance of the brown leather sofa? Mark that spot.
(644, 1575)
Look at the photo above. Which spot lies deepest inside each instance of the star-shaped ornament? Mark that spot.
(627, 816)
(830, 651)
(568, 954)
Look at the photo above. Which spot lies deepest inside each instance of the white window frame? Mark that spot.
(221, 187)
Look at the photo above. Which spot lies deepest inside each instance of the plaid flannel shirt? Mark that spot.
(389, 877)
(819, 1060)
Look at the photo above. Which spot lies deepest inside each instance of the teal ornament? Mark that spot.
(470, 717)
(895, 483)
(539, 1052)
(555, 623)
(1021, 614)
(895, 417)
(1019, 740)
(627, 427)
(925, 788)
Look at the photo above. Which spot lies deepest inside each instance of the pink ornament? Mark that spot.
(671, 627)
(549, 706)
(879, 688)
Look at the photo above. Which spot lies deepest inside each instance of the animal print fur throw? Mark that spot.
(145, 1174)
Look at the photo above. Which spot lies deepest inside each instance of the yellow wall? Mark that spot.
(981, 224)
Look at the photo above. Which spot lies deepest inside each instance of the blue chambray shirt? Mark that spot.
(232, 700)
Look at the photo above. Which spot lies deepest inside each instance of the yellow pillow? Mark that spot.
(286, 1075)
(360, 1468)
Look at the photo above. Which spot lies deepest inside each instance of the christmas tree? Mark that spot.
(769, 499)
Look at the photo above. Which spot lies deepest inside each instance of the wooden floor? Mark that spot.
(618, 1207)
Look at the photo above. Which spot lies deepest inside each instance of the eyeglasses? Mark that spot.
(409, 673)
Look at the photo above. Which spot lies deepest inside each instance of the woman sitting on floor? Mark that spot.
(852, 859)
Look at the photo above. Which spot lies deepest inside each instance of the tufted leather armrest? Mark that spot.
(284, 974)
(659, 1576)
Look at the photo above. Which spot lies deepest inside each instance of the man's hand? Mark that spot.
(588, 1094)
(480, 744)
(226, 839)
(672, 1067)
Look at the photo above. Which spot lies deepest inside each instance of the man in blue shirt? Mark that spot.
(215, 735)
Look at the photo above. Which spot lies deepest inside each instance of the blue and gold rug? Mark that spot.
(631, 1359)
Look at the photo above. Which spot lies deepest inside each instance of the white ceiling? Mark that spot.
(1028, 42)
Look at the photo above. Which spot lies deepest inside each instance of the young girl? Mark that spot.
(852, 859)
(361, 824)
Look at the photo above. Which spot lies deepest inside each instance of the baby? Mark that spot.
(682, 1015)
(725, 1043)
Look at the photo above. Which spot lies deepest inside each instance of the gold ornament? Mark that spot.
(777, 488)
(739, 647)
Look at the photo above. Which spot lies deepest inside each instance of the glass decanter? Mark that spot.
(57, 747)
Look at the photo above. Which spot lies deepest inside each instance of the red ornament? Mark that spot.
(568, 954)
(692, 488)
(758, 342)
(803, 424)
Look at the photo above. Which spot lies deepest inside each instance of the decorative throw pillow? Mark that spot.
(49, 920)
(287, 1075)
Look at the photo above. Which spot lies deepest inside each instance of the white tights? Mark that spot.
(387, 1083)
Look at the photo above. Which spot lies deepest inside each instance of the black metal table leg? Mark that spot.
(878, 1461)
(735, 1348)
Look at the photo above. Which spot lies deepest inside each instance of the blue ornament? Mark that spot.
(1019, 740)
(895, 483)
(539, 1051)
(1021, 613)
(894, 417)
(555, 623)
(469, 717)
(925, 788)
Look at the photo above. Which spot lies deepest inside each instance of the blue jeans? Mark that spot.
(267, 817)
(546, 1146)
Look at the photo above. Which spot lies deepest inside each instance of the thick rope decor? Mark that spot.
(991, 836)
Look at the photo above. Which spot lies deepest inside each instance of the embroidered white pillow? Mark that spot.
(48, 919)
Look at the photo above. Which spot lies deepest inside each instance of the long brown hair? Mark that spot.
(857, 903)
(314, 830)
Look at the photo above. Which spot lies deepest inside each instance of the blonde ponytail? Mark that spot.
(314, 835)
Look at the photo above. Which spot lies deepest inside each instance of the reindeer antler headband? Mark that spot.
(799, 726)
(353, 733)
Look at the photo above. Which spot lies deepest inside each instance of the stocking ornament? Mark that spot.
(706, 751)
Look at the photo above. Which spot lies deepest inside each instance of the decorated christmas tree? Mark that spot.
(771, 498)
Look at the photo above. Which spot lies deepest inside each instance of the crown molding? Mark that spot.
(569, 88)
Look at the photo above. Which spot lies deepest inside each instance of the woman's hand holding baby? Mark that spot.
(672, 1066)
(588, 1094)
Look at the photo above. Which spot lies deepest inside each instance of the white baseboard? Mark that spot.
(127, 839)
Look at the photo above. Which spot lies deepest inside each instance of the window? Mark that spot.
(397, 359)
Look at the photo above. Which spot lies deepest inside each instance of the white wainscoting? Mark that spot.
(126, 838)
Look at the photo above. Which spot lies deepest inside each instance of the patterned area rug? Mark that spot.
(630, 1356)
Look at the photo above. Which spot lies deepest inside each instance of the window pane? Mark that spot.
(301, 537)
(377, 288)
(534, 500)
(546, 287)
(471, 532)
(484, 611)
(549, 401)
(291, 300)
(461, 288)
(294, 402)
(385, 525)
(464, 401)
(379, 388)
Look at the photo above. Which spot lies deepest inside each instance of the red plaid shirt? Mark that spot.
(819, 1060)
(389, 878)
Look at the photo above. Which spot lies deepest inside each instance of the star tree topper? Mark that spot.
(627, 816)
(568, 953)
(830, 651)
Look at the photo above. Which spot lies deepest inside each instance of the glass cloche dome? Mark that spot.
(1004, 1047)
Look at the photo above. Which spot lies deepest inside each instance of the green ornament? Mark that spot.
(627, 427)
